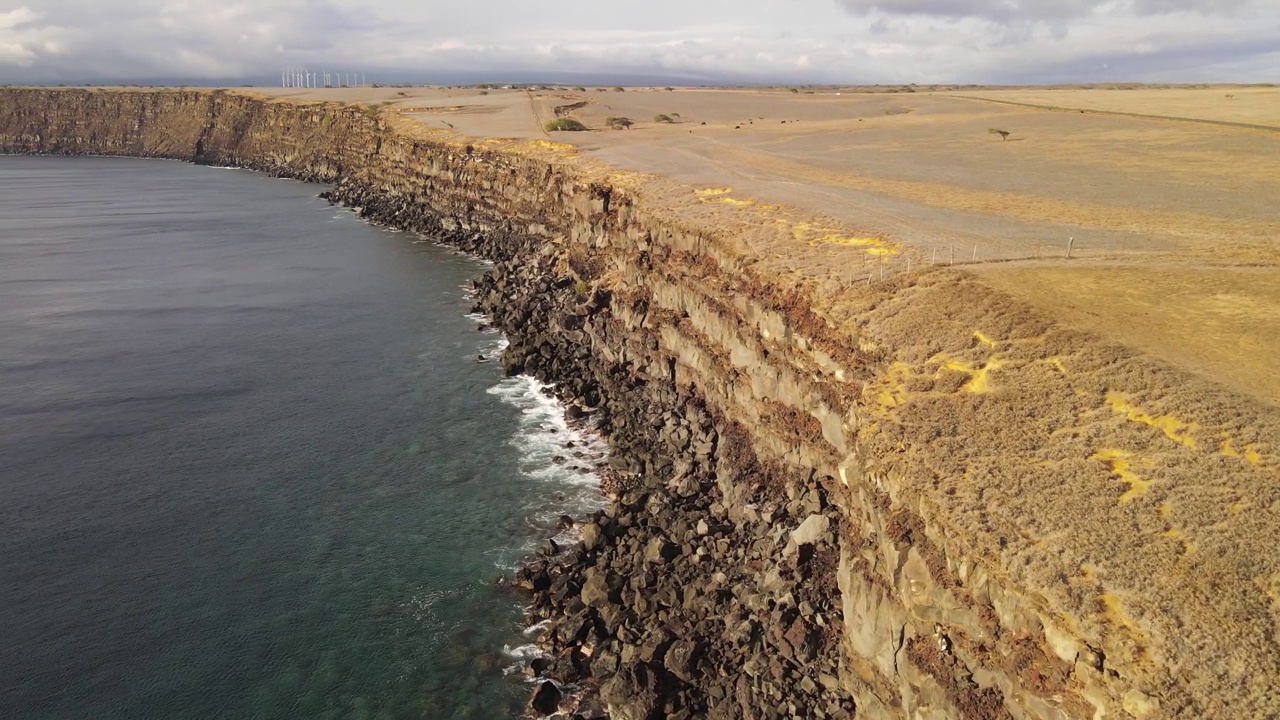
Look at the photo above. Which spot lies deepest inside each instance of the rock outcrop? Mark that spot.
(913, 499)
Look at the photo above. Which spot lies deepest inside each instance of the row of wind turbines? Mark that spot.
(306, 79)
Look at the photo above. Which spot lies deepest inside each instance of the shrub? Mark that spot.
(619, 89)
(484, 92)
(564, 125)
(794, 91)
(1004, 134)
(660, 118)
(669, 88)
(618, 123)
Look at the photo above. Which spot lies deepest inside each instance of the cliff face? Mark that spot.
(949, 498)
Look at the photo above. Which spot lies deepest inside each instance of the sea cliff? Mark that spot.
(908, 498)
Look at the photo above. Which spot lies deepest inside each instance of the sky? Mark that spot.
(675, 41)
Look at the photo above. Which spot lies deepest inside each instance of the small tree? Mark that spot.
(564, 125)
(1004, 134)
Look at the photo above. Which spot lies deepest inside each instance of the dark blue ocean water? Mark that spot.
(249, 464)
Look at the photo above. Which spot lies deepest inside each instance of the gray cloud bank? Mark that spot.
(797, 41)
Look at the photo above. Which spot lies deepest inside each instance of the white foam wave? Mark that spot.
(562, 458)
(537, 628)
(490, 349)
(523, 652)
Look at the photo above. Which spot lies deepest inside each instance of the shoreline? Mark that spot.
(984, 552)
(574, 636)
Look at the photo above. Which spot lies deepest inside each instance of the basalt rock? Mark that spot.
(799, 547)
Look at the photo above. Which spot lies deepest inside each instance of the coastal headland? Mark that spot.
(928, 403)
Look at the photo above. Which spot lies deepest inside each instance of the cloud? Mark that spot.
(18, 43)
(820, 41)
(1010, 11)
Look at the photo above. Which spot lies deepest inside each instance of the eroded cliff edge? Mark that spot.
(1023, 522)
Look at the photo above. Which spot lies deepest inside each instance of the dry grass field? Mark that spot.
(1167, 196)
(1102, 427)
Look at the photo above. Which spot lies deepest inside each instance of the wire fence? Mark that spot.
(924, 255)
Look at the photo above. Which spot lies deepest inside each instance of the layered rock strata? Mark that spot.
(913, 497)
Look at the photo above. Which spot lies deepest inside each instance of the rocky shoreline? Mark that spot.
(680, 601)
(990, 561)
(676, 603)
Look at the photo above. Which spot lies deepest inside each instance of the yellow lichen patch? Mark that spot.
(628, 179)
(803, 231)
(1248, 453)
(872, 245)
(1176, 535)
(1118, 462)
(1114, 612)
(710, 192)
(1056, 362)
(815, 235)
(548, 145)
(889, 391)
(984, 338)
(734, 201)
(1252, 457)
(1227, 448)
(1173, 428)
(979, 380)
(1165, 509)
(488, 143)
(834, 239)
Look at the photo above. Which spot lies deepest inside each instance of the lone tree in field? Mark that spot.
(1004, 134)
(618, 123)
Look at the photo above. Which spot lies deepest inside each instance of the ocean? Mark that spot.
(256, 460)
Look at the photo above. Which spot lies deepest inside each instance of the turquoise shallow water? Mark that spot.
(249, 464)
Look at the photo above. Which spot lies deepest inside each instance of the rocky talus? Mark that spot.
(908, 500)
(675, 604)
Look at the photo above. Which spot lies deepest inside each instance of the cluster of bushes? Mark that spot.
(568, 124)
(564, 125)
